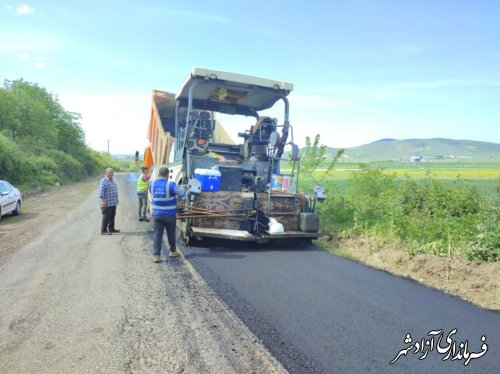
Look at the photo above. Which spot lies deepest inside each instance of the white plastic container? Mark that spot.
(275, 227)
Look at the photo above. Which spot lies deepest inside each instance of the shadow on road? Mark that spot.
(215, 254)
(230, 249)
(9, 218)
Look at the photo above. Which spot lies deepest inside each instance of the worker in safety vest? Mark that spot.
(164, 203)
(142, 193)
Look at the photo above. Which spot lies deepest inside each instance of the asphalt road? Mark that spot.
(316, 312)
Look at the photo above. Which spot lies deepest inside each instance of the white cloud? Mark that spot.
(39, 62)
(24, 9)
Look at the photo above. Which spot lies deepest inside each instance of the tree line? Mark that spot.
(41, 143)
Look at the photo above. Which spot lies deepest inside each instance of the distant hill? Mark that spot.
(436, 148)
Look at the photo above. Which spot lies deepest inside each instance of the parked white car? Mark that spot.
(10, 199)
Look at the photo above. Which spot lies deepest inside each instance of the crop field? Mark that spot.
(475, 174)
(493, 164)
(483, 175)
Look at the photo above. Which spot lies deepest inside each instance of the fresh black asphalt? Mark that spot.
(320, 313)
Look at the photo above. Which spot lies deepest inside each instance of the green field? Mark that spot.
(483, 175)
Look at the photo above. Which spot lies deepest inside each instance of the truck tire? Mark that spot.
(186, 239)
(185, 232)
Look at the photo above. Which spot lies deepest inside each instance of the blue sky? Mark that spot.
(362, 70)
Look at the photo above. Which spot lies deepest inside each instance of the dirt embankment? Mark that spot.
(476, 282)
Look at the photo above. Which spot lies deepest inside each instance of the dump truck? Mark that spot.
(239, 191)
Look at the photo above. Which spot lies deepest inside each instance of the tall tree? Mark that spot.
(41, 142)
(34, 125)
(10, 121)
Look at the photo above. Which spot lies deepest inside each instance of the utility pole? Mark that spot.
(107, 141)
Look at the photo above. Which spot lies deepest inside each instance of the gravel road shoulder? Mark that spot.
(72, 300)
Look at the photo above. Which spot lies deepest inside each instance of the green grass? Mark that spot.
(430, 211)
